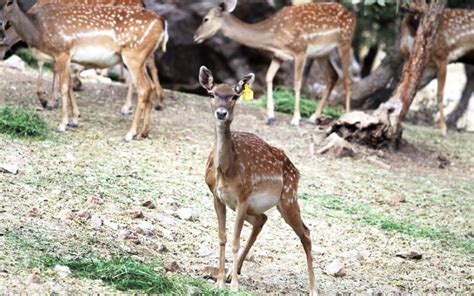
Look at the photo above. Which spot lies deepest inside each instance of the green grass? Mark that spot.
(23, 123)
(27, 56)
(285, 103)
(368, 215)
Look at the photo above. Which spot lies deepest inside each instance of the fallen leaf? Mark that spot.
(411, 255)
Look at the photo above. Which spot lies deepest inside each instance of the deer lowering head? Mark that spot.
(249, 176)
(296, 33)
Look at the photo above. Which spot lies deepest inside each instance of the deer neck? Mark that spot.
(25, 26)
(252, 35)
(223, 148)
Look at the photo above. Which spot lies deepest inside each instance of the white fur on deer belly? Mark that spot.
(320, 50)
(98, 56)
(457, 53)
(261, 200)
(227, 196)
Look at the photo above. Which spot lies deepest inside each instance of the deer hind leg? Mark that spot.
(137, 71)
(127, 106)
(51, 104)
(442, 68)
(331, 78)
(153, 70)
(345, 52)
(221, 219)
(257, 223)
(74, 109)
(63, 63)
(299, 68)
(272, 70)
(239, 222)
(290, 211)
(148, 106)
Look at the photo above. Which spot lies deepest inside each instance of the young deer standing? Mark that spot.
(12, 37)
(454, 43)
(296, 33)
(94, 36)
(249, 176)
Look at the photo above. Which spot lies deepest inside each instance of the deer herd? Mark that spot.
(243, 172)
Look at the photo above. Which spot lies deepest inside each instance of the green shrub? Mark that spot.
(27, 56)
(284, 102)
(20, 122)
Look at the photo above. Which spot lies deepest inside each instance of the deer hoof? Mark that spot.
(159, 107)
(295, 122)
(125, 111)
(73, 124)
(61, 129)
(44, 104)
(270, 120)
(128, 137)
(51, 106)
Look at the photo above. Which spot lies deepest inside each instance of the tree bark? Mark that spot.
(383, 128)
(463, 103)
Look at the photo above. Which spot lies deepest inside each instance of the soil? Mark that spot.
(71, 192)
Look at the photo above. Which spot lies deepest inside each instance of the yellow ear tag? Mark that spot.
(247, 95)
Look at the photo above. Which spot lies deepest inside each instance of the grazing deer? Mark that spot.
(249, 176)
(12, 37)
(454, 43)
(94, 36)
(296, 33)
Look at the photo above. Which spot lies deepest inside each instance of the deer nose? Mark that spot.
(221, 114)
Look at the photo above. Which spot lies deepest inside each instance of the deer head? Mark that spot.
(223, 96)
(212, 22)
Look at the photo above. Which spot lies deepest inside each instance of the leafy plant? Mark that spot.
(20, 122)
(27, 56)
(285, 103)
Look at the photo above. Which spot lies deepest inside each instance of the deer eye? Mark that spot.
(211, 95)
(205, 20)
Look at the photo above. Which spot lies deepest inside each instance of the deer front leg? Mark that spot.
(299, 68)
(62, 63)
(239, 222)
(74, 109)
(221, 217)
(272, 70)
(153, 70)
(51, 104)
(331, 79)
(345, 51)
(442, 68)
(127, 106)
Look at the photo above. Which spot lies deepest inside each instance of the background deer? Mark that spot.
(12, 37)
(296, 33)
(249, 176)
(94, 36)
(454, 43)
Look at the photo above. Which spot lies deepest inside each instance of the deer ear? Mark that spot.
(205, 78)
(228, 5)
(247, 79)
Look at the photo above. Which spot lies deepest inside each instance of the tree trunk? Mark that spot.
(383, 128)
(463, 103)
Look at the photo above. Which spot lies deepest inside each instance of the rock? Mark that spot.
(148, 204)
(95, 200)
(15, 62)
(164, 219)
(172, 266)
(411, 255)
(335, 268)
(9, 168)
(162, 249)
(337, 147)
(33, 279)
(35, 212)
(187, 214)
(168, 235)
(65, 214)
(396, 198)
(146, 228)
(62, 271)
(84, 214)
(133, 214)
(443, 161)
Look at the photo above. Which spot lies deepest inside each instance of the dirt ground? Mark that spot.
(72, 190)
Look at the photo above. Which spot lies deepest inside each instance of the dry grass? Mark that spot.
(345, 202)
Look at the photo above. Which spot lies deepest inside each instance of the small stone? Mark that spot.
(162, 249)
(187, 214)
(95, 200)
(84, 214)
(146, 228)
(172, 266)
(353, 255)
(335, 269)
(133, 214)
(168, 235)
(62, 271)
(411, 255)
(15, 62)
(35, 212)
(33, 279)
(65, 214)
(148, 204)
(164, 219)
(396, 198)
(95, 222)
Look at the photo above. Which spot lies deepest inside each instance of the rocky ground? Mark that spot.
(83, 192)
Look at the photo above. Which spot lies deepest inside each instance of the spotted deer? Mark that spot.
(454, 43)
(249, 176)
(93, 36)
(297, 33)
(12, 37)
